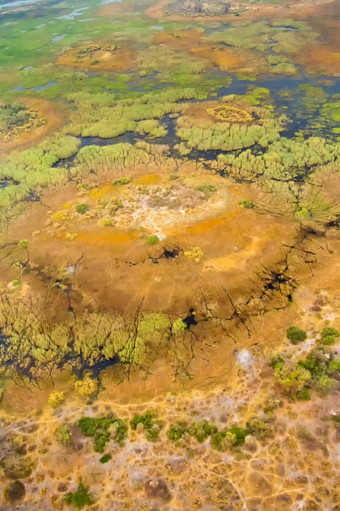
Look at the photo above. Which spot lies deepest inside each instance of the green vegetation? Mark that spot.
(14, 491)
(329, 336)
(232, 437)
(82, 208)
(318, 371)
(152, 240)
(207, 190)
(224, 136)
(105, 458)
(296, 335)
(246, 203)
(64, 434)
(202, 429)
(220, 440)
(122, 181)
(102, 430)
(177, 431)
(149, 423)
(259, 428)
(80, 498)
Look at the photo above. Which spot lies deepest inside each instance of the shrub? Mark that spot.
(82, 208)
(23, 244)
(329, 336)
(333, 366)
(14, 491)
(233, 437)
(122, 181)
(80, 498)
(87, 387)
(195, 254)
(177, 431)
(207, 190)
(202, 429)
(106, 222)
(223, 440)
(56, 399)
(101, 429)
(304, 395)
(240, 434)
(277, 362)
(296, 335)
(294, 381)
(152, 240)
(246, 203)
(105, 458)
(326, 384)
(259, 428)
(64, 434)
(151, 426)
(315, 364)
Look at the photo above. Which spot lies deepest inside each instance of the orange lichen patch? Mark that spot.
(52, 116)
(107, 238)
(104, 57)
(323, 60)
(151, 179)
(117, 8)
(179, 39)
(206, 226)
(230, 113)
(97, 193)
(192, 41)
(226, 59)
(110, 239)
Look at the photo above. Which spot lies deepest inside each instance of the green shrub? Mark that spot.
(293, 381)
(326, 384)
(64, 434)
(259, 428)
(315, 364)
(177, 431)
(277, 362)
(23, 244)
(329, 336)
(122, 181)
(150, 425)
(202, 429)
(105, 458)
(207, 190)
(152, 240)
(240, 434)
(232, 437)
(333, 366)
(296, 335)
(82, 208)
(102, 429)
(246, 203)
(304, 395)
(80, 498)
